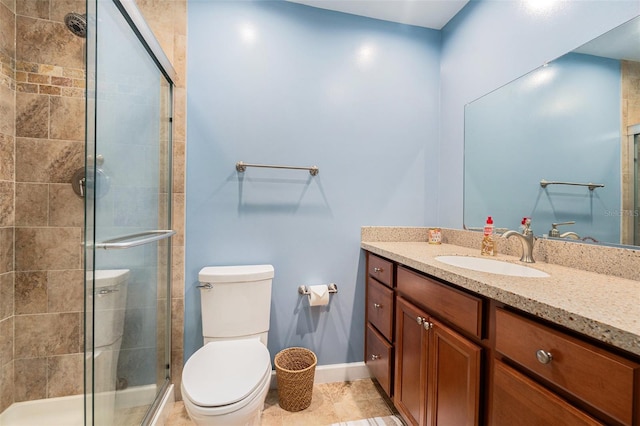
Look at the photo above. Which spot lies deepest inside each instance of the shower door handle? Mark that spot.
(134, 240)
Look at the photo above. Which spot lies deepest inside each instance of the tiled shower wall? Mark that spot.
(7, 198)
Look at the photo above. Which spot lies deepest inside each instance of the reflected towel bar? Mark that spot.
(134, 240)
(242, 167)
(591, 186)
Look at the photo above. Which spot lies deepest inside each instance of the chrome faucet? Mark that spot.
(526, 238)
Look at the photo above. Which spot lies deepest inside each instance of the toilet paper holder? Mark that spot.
(333, 288)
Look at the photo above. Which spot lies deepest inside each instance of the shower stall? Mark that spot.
(85, 216)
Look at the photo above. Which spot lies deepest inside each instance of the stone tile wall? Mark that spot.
(50, 117)
(7, 198)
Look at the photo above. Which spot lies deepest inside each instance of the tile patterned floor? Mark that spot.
(331, 403)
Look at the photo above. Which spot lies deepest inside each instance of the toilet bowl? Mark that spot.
(226, 381)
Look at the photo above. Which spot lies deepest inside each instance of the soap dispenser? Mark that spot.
(488, 244)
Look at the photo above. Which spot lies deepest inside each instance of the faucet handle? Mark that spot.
(526, 226)
(554, 230)
(571, 222)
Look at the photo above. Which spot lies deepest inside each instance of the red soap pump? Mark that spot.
(488, 245)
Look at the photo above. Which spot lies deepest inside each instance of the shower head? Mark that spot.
(76, 23)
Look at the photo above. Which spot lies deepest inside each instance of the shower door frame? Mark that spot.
(630, 220)
(634, 140)
(145, 36)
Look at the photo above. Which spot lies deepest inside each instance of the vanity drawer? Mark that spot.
(600, 378)
(380, 307)
(378, 357)
(381, 269)
(515, 394)
(447, 303)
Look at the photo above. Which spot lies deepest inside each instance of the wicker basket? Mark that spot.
(295, 369)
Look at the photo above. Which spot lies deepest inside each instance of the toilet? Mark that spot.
(226, 381)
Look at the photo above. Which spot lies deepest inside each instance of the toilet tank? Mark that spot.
(110, 303)
(238, 304)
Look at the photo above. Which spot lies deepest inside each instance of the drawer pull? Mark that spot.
(543, 356)
(375, 357)
(377, 270)
(377, 305)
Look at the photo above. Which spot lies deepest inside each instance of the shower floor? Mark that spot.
(64, 411)
(131, 406)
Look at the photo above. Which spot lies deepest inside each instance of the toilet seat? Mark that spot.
(222, 373)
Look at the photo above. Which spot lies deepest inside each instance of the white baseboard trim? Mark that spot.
(334, 373)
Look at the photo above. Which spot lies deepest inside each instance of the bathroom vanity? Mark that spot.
(452, 345)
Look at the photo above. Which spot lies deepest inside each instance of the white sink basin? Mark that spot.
(492, 266)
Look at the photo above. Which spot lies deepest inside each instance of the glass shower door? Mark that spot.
(128, 176)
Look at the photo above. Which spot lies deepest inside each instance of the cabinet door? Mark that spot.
(411, 362)
(454, 378)
(518, 400)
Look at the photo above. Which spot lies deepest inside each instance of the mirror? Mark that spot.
(560, 145)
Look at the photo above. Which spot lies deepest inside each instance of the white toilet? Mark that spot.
(226, 381)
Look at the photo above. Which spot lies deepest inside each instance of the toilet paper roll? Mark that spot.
(319, 295)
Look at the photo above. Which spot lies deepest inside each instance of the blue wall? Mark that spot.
(282, 83)
(560, 122)
(306, 91)
(490, 43)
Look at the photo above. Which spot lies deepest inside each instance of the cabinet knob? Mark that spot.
(427, 325)
(375, 357)
(421, 320)
(377, 305)
(543, 356)
(377, 270)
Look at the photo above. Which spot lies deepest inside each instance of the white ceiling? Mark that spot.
(423, 13)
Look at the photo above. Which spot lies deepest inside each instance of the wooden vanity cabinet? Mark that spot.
(379, 316)
(437, 370)
(434, 348)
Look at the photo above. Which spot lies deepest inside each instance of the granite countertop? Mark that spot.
(600, 306)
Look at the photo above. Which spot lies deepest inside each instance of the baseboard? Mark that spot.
(334, 373)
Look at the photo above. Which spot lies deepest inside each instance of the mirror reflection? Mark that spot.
(560, 145)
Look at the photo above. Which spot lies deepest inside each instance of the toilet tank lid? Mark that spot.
(108, 277)
(234, 274)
